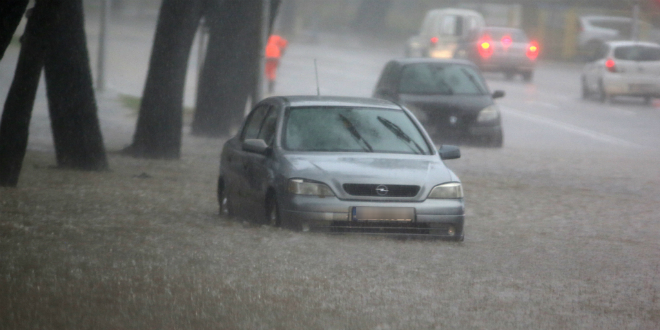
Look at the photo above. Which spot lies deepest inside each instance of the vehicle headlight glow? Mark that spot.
(305, 187)
(489, 113)
(452, 190)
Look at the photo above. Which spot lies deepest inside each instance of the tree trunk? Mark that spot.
(11, 12)
(72, 105)
(20, 99)
(159, 126)
(231, 68)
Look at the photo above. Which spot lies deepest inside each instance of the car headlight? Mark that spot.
(489, 113)
(305, 187)
(452, 190)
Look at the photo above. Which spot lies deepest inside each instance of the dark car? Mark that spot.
(450, 97)
(506, 50)
(340, 165)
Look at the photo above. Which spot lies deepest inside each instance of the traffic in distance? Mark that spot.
(360, 165)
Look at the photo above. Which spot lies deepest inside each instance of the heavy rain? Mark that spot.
(562, 224)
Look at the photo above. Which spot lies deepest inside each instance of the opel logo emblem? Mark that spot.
(382, 190)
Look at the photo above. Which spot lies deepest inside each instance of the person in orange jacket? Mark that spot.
(274, 51)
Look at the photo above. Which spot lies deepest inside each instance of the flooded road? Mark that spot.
(562, 228)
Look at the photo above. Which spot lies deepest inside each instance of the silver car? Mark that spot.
(340, 165)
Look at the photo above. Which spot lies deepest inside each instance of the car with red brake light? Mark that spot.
(500, 49)
(623, 68)
(444, 31)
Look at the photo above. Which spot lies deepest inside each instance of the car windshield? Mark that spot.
(499, 34)
(443, 79)
(637, 53)
(348, 129)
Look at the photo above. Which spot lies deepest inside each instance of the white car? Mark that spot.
(623, 68)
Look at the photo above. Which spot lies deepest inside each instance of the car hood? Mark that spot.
(362, 168)
(464, 104)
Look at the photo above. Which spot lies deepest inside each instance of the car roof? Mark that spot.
(416, 60)
(501, 28)
(611, 18)
(621, 43)
(335, 101)
(454, 11)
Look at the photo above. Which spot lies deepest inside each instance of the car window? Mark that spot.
(498, 34)
(347, 129)
(449, 25)
(253, 123)
(443, 79)
(267, 132)
(637, 53)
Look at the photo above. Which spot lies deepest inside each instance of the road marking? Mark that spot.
(570, 128)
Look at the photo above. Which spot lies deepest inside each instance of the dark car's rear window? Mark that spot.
(637, 53)
(442, 79)
(499, 34)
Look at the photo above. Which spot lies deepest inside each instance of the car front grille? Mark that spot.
(381, 190)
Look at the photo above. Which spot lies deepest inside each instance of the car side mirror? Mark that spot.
(498, 94)
(449, 152)
(256, 145)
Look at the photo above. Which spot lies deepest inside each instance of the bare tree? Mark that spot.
(159, 126)
(11, 12)
(53, 36)
(71, 102)
(18, 105)
(231, 67)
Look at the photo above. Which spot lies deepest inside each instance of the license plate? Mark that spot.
(398, 214)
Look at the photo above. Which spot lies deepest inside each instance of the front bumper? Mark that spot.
(433, 218)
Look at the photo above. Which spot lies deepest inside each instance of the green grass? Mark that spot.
(133, 102)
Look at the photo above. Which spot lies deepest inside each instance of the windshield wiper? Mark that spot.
(354, 132)
(401, 135)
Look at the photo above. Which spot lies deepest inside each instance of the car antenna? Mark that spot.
(316, 70)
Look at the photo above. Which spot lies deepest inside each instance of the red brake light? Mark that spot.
(506, 41)
(610, 65)
(533, 50)
(434, 40)
(485, 47)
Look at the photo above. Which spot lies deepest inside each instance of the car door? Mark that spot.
(258, 172)
(241, 160)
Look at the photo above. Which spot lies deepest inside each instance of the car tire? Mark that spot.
(528, 76)
(224, 202)
(585, 89)
(602, 94)
(495, 140)
(272, 216)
